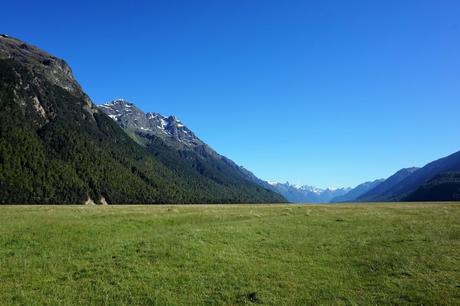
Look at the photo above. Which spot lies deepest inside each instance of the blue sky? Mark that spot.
(326, 93)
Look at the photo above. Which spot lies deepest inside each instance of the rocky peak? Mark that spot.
(54, 69)
(34, 69)
(172, 118)
(121, 102)
(170, 128)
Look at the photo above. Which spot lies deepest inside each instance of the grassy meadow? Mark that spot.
(256, 254)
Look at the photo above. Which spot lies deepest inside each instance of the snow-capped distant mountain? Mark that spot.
(312, 189)
(306, 193)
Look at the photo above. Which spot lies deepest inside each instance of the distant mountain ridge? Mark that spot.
(148, 128)
(307, 194)
(381, 191)
(157, 132)
(436, 181)
(358, 191)
(440, 170)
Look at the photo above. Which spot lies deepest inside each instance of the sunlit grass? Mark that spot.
(284, 254)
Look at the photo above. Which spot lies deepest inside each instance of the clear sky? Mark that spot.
(326, 93)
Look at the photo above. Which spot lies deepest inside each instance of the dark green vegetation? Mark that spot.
(56, 147)
(436, 181)
(174, 144)
(443, 187)
(276, 255)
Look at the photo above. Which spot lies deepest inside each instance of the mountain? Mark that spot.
(190, 153)
(57, 147)
(438, 175)
(383, 190)
(435, 181)
(358, 191)
(443, 187)
(141, 125)
(307, 194)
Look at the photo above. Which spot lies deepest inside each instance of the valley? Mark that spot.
(229, 153)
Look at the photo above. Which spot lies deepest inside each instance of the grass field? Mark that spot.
(278, 255)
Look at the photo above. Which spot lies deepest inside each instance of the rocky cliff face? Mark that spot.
(132, 119)
(54, 69)
(42, 68)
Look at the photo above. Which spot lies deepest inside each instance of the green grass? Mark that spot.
(278, 255)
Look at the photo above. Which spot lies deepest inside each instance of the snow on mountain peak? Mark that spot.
(131, 117)
(120, 101)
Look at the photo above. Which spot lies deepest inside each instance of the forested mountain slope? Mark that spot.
(57, 147)
(172, 142)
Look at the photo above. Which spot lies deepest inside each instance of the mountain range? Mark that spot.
(156, 132)
(433, 176)
(58, 147)
(437, 181)
(358, 191)
(307, 194)
(380, 191)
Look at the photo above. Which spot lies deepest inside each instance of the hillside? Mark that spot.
(383, 191)
(358, 191)
(172, 142)
(57, 147)
(435, 181)
(438, 168)
(443, 187)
